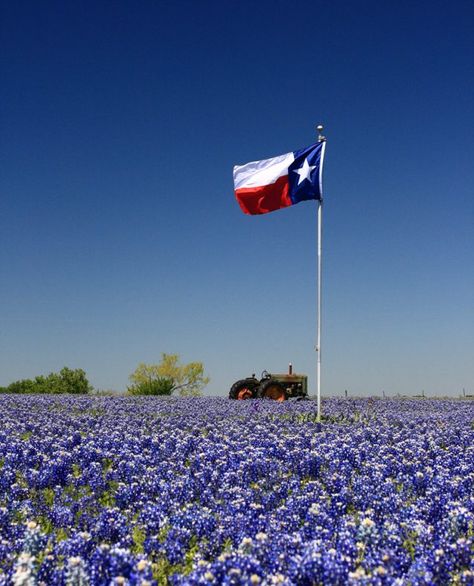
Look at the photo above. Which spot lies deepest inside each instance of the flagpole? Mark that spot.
(322, 139)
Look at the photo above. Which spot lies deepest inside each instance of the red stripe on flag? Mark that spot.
(266, 198)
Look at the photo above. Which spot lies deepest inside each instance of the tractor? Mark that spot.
(278, 387)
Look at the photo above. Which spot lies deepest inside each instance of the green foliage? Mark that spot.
(107, 465)
(21, 386)
(66, 381)
(48, 496)
(157, 386)
(163, 569)
(74, 381)
(169, 376)
(46, 524)
(410, 544)
(138, 538)
(107, 498)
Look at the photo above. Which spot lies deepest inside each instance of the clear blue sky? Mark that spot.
(120, 237)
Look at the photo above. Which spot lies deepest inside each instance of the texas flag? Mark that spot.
(279, 182)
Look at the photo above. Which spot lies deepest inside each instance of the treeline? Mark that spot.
(67, 380)
(165, 378)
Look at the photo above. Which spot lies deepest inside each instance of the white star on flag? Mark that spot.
(305, 171)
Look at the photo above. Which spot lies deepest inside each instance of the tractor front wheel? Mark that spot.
(243, 389)
(272, 389)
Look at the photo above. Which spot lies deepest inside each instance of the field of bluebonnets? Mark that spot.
(211, 491)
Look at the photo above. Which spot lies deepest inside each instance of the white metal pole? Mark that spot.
(322, 139)
(318, 337)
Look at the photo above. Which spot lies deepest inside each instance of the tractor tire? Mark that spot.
(244, 389)
(272, 389)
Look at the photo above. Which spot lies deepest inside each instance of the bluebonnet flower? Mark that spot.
(76, 573)
(214, 491)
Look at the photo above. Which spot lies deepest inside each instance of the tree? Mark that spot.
(72, 381)
(66, 381)
(169, 376)
(21, 386)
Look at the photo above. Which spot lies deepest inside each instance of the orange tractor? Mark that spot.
(278, 387)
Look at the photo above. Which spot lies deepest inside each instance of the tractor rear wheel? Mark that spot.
(244, 389)
(272, 389)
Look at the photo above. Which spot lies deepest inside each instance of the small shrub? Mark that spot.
(157, 386)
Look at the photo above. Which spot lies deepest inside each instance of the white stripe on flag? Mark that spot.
(259, 173)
